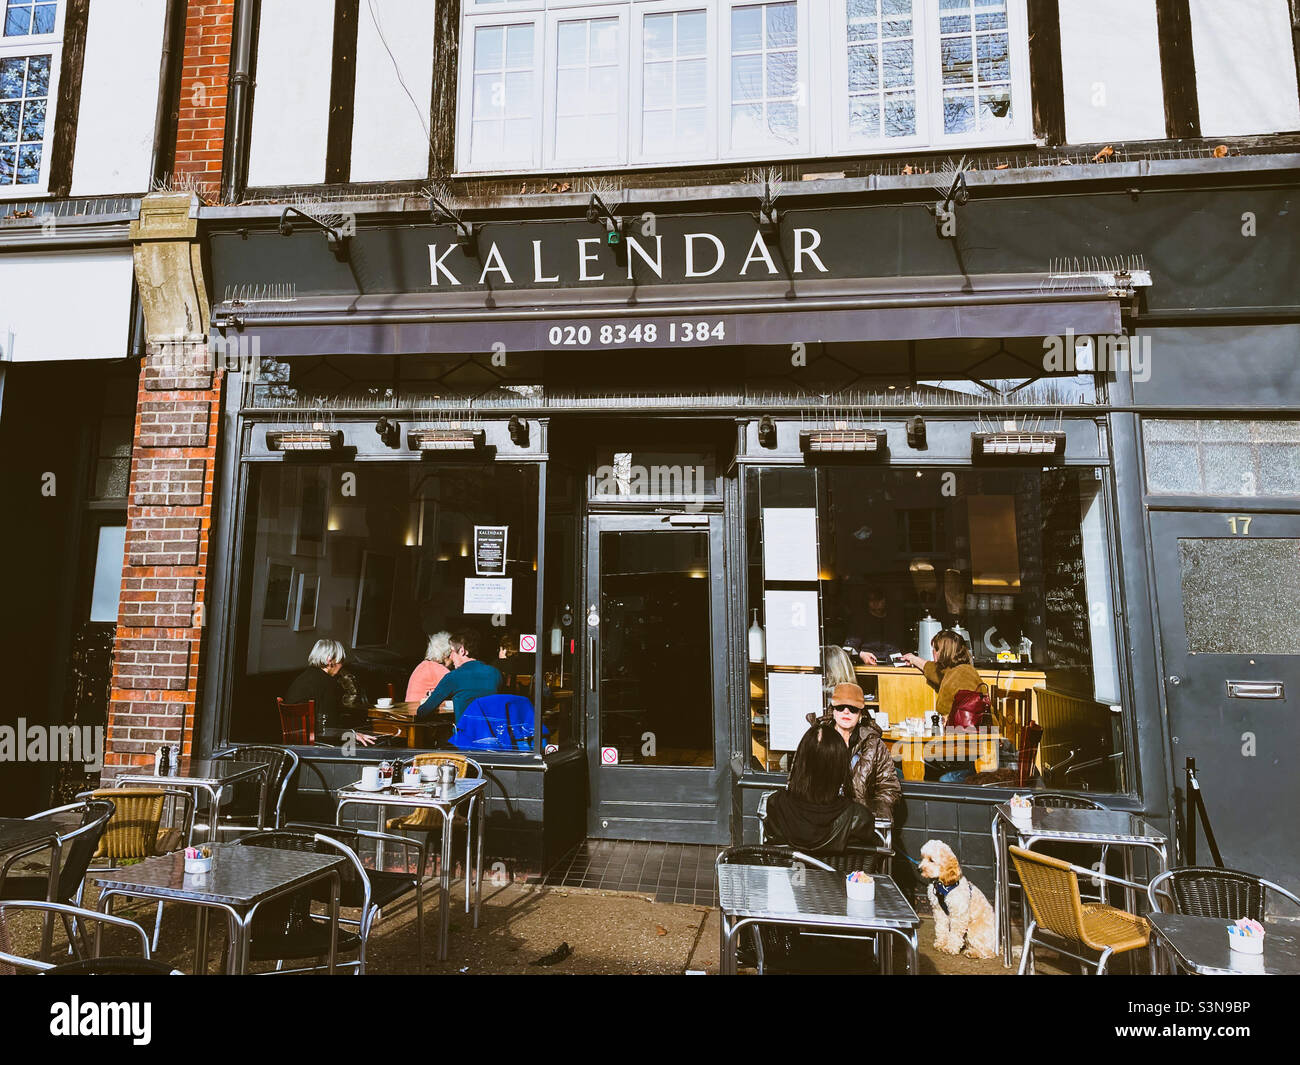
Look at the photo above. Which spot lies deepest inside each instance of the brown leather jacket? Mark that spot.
(872, 777)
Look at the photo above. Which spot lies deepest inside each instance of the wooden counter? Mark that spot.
(903, 692)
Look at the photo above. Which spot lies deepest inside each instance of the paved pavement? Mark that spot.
(607, 933)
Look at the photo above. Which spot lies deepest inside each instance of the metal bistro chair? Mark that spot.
(286, 929)
(142, 965)
(430, 821)
(769, 942)
(136, 830)
(869, 859)
(1200, 891)
(386, 886)
(245, 813)
(1088, 932)
(74, 850)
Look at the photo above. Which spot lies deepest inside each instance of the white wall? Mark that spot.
(390, 139)
(65, 304)
(1245, 67)
(1110, 71)
(119, 97)
(295, 58)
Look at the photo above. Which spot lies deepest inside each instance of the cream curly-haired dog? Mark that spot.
(963, 918)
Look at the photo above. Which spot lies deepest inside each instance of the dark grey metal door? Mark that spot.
(654, 620)
(1228, 596)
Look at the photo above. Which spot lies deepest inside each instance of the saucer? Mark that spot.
(361, 787)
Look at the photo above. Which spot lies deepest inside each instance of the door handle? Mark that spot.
(591, 663)
(1255, 689)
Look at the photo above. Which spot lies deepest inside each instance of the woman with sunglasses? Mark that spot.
(872, 778)
(813, 813)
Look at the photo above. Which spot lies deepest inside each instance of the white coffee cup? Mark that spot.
(384, 703)
(370, 776)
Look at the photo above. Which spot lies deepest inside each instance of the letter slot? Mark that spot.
(1255, 689)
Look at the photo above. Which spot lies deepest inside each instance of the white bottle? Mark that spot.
(757, 643)
(926, 630)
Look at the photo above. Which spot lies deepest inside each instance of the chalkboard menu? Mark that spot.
(1065, 594)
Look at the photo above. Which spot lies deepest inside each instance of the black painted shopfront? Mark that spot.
(718, 445)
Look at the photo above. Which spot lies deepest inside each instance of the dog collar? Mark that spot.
(941, 892)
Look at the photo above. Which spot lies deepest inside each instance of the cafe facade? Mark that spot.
(717, 432)
(976, 315)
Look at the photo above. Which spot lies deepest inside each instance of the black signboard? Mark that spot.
(490, 550)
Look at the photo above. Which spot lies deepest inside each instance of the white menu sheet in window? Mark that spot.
(789, 544)
(791, 697)
(792, 628)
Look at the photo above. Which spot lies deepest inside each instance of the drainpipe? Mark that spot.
(237, 108)
(169, 86)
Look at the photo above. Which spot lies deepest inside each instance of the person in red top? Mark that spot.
(429, 672)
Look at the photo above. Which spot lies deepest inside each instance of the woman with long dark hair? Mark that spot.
(812, 813)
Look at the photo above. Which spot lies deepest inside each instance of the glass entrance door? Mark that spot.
(655, 623)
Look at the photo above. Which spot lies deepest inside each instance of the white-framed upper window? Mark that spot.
(673, 118)
(975, 56)
(31, 46)
(503, 62)
(767, 95)
(661, 82)
(586, 87)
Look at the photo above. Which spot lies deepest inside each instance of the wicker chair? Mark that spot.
(93, 966)
(1088, 932)
(1227, 894)
(135, 831)
(430, 821)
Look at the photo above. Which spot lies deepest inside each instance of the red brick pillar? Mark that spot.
(201, 116)
(160, 625)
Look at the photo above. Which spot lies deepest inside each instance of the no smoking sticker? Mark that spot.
(609, 756)
(527, 643)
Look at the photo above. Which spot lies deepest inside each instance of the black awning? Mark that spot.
(688, 317)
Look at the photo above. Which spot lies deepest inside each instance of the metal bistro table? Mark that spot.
(241, 879)
(209, 775)
(1114, 828)
(761, 894)
(464, 791)
(1200, 945)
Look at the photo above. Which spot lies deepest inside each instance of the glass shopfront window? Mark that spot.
(381, 557)
(851, 566)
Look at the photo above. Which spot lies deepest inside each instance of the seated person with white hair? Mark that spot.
(319, 684)
(429, 672)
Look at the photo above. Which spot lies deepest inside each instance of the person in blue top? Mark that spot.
(468, 680)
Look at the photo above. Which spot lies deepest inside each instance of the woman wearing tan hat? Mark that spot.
(873, 781)
(814, 813)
